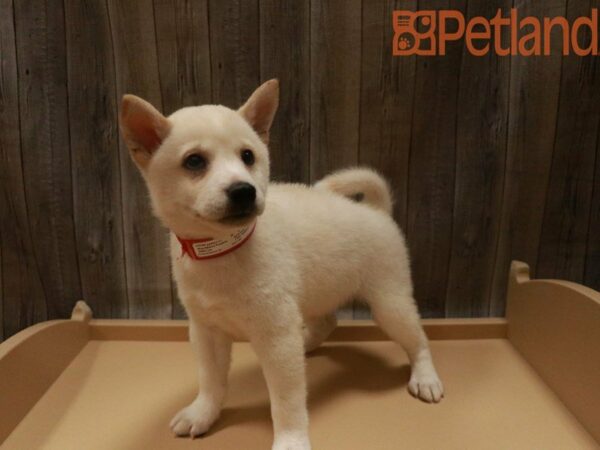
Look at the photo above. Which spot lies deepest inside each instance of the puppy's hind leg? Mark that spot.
(396, 312)
(316, 330)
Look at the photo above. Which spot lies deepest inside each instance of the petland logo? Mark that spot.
(428, 32)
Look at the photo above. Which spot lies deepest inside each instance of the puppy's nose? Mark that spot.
(241, 194)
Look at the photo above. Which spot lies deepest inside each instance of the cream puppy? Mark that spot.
(269, 263)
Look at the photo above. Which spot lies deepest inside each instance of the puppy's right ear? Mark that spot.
(143, 128)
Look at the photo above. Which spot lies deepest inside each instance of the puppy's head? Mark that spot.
(206, 167)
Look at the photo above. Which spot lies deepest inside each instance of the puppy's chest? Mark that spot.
(211, 297)
(205, 290)
(216, 311)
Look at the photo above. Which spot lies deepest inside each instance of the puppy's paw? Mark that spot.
(291, 442)
(426, 386)
(195, 419)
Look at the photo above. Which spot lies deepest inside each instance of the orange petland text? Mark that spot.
(427, 33)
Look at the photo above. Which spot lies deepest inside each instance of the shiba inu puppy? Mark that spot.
(268, 262)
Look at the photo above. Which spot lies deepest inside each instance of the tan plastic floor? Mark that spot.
(121, 395)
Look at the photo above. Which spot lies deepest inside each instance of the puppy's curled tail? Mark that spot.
(362, 185)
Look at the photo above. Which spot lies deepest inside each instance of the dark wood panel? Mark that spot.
(284, 54)
(234, 50)
(183, 45)
(95, 158)
(592, 263)
(335, 44)
(146, 255)
(432, 171)
(490, 159)
(22, 298)
(534, 92)
(387, 94)
(592, 259)
(9, 119)
(46, 158)
(386, 102)
(182, 38)
(563, 241)
(335, 49)
(481, 131)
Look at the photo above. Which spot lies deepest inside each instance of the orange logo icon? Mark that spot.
(414, 33)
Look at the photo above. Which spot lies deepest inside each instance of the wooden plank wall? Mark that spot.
(490, 158)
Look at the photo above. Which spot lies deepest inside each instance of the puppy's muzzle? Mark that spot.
(242, 198)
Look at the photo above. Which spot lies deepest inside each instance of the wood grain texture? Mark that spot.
(490, 159)
(146, 255)
(182, 39)
(9, 119)
(95, 158)
(335, 49)
(534, 96)
(285, 54)
(432, 171)
(592, 263)
(481, 130)
(45, 146)
(562, 250)
(22, 297)
(234, 50)
(386, 102)
(591, 275)
(335, 53)
(183, 45)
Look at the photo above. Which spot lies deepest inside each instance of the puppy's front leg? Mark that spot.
(281, 354)
(213, 351)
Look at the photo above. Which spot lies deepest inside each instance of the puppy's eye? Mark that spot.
(195, 162)
(248, 157)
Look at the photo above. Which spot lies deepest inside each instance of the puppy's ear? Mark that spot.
(261, 107)
(143, 128)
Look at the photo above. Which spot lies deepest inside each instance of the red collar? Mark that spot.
(207, 248)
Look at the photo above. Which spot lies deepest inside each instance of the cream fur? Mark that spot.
(312, 250)
(362, 185)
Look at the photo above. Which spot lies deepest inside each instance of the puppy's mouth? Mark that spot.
(231, 217)
(239, 217)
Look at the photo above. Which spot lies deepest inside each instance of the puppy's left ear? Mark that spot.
(261, 107)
